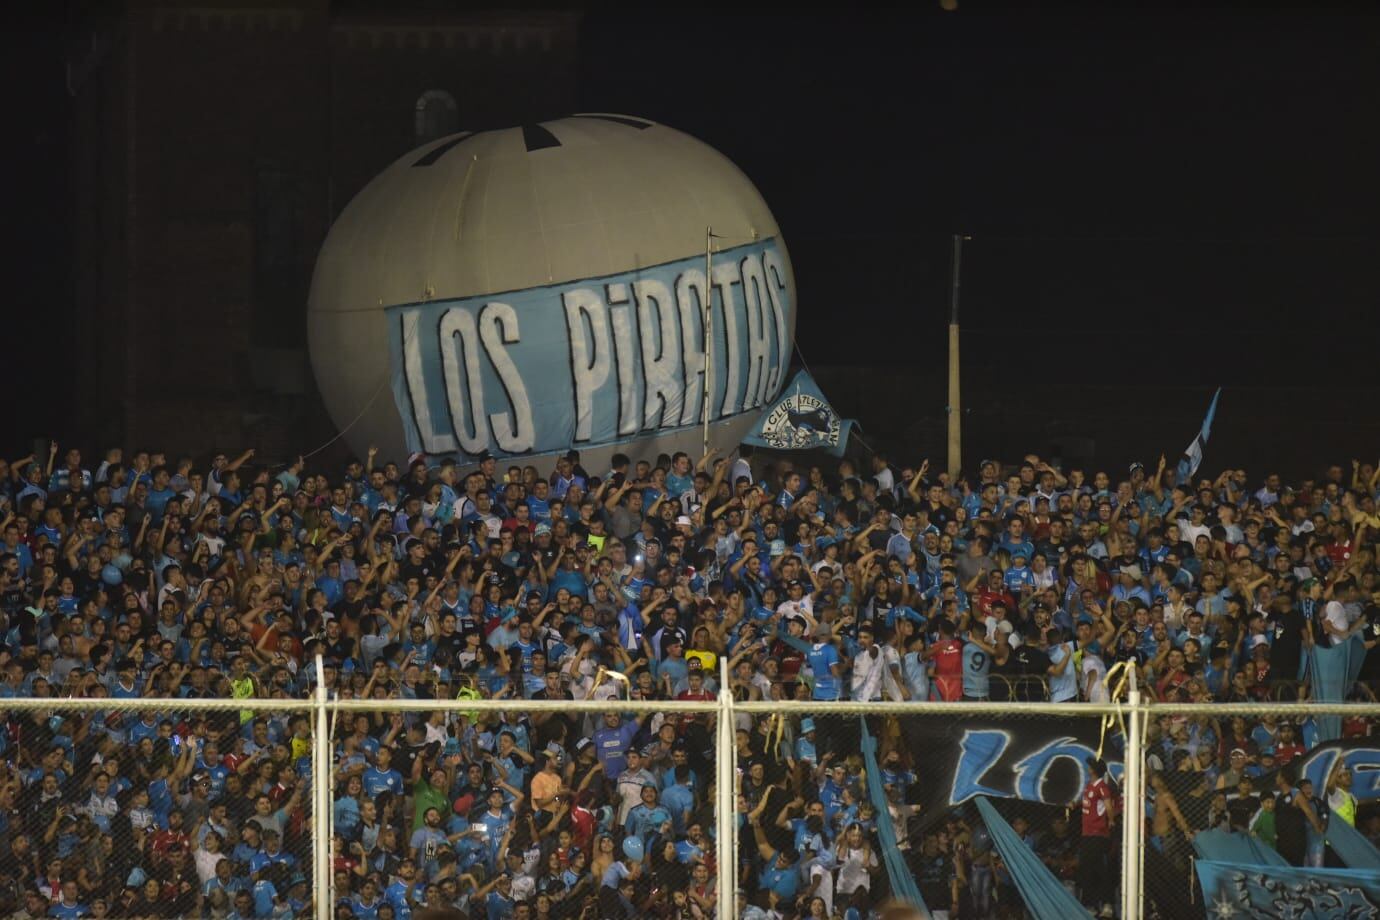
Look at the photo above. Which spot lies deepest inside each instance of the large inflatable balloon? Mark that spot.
(535, 289)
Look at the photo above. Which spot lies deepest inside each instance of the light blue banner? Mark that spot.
(801, 419)
(903, 884)
(1335, 669)
(1045, 896)
(595, 361)
(1225, 846)
(1242, 891)
(1351, 845)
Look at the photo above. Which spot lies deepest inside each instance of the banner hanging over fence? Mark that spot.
(1242, 890)
(1040, 759)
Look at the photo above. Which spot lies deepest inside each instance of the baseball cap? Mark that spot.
(807, 725)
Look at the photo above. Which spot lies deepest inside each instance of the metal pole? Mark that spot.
(1133, 810)
(1142, 781)
(725, 802)
(320, 820)
(708, 337)
(955, 402)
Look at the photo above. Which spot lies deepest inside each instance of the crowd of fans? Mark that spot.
(151, 577)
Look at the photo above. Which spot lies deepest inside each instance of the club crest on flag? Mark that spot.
(801, 419)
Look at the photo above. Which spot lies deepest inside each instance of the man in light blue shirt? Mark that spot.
(1063, 677)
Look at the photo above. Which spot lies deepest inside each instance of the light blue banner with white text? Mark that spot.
(595, 361)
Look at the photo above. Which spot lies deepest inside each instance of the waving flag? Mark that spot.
(801, 419)
(1193, 454)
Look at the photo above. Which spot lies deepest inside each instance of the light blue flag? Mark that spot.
(1241, 891)
(1349, 843)
(1222, 846)
(902, 880)
(1045, 896)
(801, 419)
(1193, 454)
(1334, 670)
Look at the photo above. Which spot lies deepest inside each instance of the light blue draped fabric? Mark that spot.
(1351, 845)
(1221, 846)
(1246, 892)
(903, 886)
(1334, 669)
(1045, 896)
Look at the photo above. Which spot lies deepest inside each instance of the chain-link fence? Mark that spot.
(972, 809)
(499, 812)
(593, 809)
(137, 808)
(1257, 787)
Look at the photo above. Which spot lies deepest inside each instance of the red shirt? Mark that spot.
(948, 669)
(987, 597)
(789, 661)
(1287, 752)
(1097, 809)
(582, 825)
(163, 840)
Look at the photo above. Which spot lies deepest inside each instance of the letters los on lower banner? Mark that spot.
(1043, 760)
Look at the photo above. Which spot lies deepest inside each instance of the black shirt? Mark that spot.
(1032, 666)
(1370, 668)
(1001, 691)
(1286, 649)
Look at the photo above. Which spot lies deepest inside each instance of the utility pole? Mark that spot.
(955, 401)
(708, 388)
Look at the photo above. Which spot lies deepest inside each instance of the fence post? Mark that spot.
(323, 882)
(1133, 810)
(725, 801)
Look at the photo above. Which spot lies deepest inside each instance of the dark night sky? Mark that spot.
(1209, 175)
(1156, 196)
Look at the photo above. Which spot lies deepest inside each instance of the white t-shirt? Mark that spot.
(826, 884)
(790, 608)
(740, 469)
(1335, 613)
(891, 686)
(867, 674)
(1192, 532)
(853, 866)
(1093, 665)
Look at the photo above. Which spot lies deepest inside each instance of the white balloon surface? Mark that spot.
(537, 288)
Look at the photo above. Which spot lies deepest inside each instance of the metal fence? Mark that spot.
(769, 777)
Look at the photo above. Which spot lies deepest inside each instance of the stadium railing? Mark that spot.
(1126, 722)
